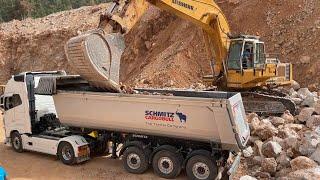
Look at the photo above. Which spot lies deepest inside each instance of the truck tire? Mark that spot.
(66, 153)
(201, 167)
(167, 164)
(135, 160)
(16, 142)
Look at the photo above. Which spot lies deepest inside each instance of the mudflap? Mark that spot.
(229, 170)
(234, 167)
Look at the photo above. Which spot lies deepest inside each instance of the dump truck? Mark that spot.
(170, 130)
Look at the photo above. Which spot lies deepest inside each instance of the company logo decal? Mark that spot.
(165, 116)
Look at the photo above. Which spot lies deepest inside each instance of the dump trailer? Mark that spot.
(170, 130)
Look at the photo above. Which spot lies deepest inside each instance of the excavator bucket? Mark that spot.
(96, 57)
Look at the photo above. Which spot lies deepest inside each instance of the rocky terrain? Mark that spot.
(165, 51)
(286, 147)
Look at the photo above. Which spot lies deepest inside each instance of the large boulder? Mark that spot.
(283, 160)
(247, 177)
(288, 117)
(313, 121)
(269, 165)
(312, 173)
(317, 108)
(254, 124)
(310, 101)
(251, 116)
(295, 85)
(305, 114)
(290, 142)
(316, 155)
(266, 130)
(277, 121)
(271, 149)
(302, 162)
(287, 133)
(248, 152)
(308, 143)
(304, 92)
(295, 127)
(258, 147)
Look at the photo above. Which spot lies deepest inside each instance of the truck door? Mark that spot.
(11, 107)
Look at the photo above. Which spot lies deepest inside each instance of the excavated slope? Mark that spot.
(165, 51)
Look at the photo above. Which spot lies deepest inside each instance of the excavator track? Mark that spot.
(267, 103)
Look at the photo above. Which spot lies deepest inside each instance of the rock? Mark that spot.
(254, 124)
(297, 101)
(317, 108)
(248, 152)
(295, 85)
(262, 175)
(310, 101)
(282, 172)
(258, 147)
(269, 165)
(288, 117)
(287, 133)
(312, 173)
(277, 121)
(283, 160)
(290, 142)
(247, 177)
(266, 130)
(271, 149)
(308, 143)
(302, 162)
(313, 121)
(303, 93)
(316, 155)
(251, 116)
(295, 127)
(305, 114)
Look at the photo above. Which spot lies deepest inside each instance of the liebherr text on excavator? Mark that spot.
(238, 63)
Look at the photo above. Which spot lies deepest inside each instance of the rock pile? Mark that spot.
(281, 147)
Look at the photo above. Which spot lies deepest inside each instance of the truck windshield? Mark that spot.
(235, 55)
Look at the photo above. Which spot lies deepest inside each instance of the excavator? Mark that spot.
(238, 63)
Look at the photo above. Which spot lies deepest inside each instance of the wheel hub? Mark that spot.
(66, 153)
(165, 165)
(16, 142)
(201, 170)
(133, 161)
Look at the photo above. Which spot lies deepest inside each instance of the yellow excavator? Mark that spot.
(238, 63)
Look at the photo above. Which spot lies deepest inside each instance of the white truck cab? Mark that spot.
(29, 121)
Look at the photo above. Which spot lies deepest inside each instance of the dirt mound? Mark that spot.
(163, 50)
(38, 44)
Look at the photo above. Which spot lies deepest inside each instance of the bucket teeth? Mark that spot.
(95, 56)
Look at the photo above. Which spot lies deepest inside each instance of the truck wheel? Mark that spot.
(66, 153)
(201, 167)
(167, 164)
(16, 142)
(135, 160)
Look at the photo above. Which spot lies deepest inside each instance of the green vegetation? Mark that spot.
(21, 9)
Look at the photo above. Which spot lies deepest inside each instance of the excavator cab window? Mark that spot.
(235, 51)
(247, 55)
(260, 58)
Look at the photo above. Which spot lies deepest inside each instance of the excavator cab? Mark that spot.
(246, 53)
(248, 66)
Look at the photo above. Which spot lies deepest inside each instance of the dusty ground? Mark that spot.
(31, 165)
